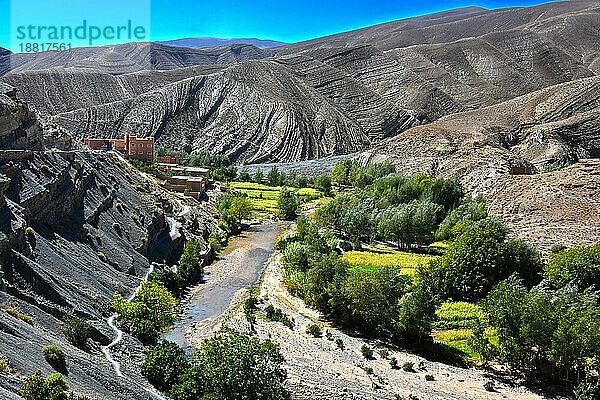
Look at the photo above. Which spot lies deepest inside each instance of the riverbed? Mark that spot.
(238, 267)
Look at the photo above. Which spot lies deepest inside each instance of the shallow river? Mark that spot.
(239, 266)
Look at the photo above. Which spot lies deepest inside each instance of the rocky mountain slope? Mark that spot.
(543, 130)
(76, 226)
(214, 42)
(330, 96)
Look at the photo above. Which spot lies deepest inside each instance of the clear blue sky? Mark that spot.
(287, 20)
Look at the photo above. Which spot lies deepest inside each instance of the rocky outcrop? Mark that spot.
(76, 227)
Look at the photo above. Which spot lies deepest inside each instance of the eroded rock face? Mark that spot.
(331, 96)
(76, 227)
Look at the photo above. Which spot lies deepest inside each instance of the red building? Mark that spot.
(133, 147)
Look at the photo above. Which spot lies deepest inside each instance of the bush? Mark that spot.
(276, 315)
(232, 365)
(339, 343)
(489, 386)
(384, 353)
(30, 232)
(429, 378)
(164, 364)
(55, 356)
(4, 365)
(367, 352)
(394, 363)
(102, 257)
(151, 311)
(54, 387)
(581, 265)
(77, 331)
(408, 367)
(314, 330)
(190, 268)
(287, 204)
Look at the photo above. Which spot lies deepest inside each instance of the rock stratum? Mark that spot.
(330, 96)
(76, 227)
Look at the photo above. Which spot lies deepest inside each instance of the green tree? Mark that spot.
(580, 265)
(190, 268)
(288, 204)
(241, 209)
(258, 176)
(323, 183)
(164, 364)
(416, 313)
(480, 258)
(151, 311)
(233, 365)
(273, 177)
(244, 175)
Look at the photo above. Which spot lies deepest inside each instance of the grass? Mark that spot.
(265, 197)
(15, 312)
(371, 261)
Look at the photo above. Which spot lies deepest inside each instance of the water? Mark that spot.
(240, 266)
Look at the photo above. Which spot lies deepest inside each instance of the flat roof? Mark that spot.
(188, 178)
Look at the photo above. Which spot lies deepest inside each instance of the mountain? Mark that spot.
(329, 96)
(199, 42)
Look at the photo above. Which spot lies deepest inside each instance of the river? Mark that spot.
(239, 266)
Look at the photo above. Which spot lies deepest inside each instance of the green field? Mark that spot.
(371, 261)
(454, 327)
(265, 197)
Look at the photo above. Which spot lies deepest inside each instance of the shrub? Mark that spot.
(581, 265)
(30, 232)
(77, 331)
(328, 335)
(16, 312)
(151, 311)
(4, 365)
(55, 356)
(408, 367)
(276, 315)
(394, 363)
(367, 352)
(54, 387)
(314, 330)
(164, 364)
(190, 268)
(489, 386)
(232, 365)
(384, 353)
(339, 343)
(369, 370)
(429, 378)
(102, 257)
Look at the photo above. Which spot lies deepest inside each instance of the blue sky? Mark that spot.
(288, 21)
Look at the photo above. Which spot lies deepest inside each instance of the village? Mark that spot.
(191, 181)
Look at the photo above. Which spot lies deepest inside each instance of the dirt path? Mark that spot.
(239, 267)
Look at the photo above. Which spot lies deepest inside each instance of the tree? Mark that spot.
(543, 332)
(323, 183)
(480, 258)
(241, 209)
(152, 310)
(244, 175)
(233, 365)
(416, 313)
(580, 265)
(164, 364)
(446, 193)
(273, 177)
(472, 210)
(288, 204)
(368, 301)
(258, 176)
(323, 277)
(54, 387)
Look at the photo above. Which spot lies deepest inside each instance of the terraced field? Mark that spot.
(454, 328)
(265, 197)
(371, 260)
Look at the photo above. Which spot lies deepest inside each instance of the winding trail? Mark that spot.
(240, 266)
